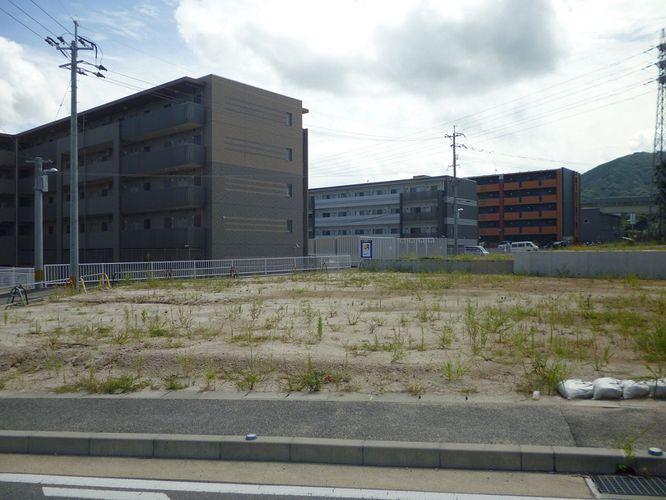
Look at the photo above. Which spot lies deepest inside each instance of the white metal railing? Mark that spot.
(138, 271)
(12, 276)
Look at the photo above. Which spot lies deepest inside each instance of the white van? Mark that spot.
(523, 246)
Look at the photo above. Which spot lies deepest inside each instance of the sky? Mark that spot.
(531, 84)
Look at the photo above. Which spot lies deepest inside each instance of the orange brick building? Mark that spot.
(541, 206)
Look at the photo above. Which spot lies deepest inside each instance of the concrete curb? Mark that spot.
(331, 451)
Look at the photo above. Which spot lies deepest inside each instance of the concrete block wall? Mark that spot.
(648, 264)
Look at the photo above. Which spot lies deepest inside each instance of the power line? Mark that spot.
(22, 23)
(35, 20)
(58, 22)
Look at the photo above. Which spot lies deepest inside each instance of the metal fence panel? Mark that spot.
(12, 276)
(140, 271)
(383, 247)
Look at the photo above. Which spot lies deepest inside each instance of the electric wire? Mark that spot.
(35, 20)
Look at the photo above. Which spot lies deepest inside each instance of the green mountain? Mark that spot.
(630, 175)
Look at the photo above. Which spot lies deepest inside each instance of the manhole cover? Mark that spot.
(630, 485)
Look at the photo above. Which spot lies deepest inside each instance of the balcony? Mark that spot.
(419, 217)
(491, 216)
(7, 214)
(489, 202)
(356, 220)
(163, 238)
(7, 186)
(93, 206)
(358, 201)
(164, 199)
(531, 230)
(92, 172)
(530, 200)
(26, 213)
(189, 155)
(26, 185)
(90, 137)
(177, 118)
(97, 239)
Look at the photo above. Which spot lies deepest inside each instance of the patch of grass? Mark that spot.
(446, 336)
(416, 389)
(453, 370)
(174, 383)
(651, 342)
(544, 375)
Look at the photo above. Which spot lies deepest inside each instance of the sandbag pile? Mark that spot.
(612, 388)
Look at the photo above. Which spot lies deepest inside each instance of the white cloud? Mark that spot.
(27, 95)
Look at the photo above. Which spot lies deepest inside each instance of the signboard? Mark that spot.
(366, 249)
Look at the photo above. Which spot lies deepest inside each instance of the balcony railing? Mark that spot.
(7, 214)
(93, 206)
(171, 158)
(419, 216)
(163, 238)
(92, 172)
(93, 239)
(164, 199)
(165, 121)
(7, 186)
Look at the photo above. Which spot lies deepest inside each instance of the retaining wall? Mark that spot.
(649, 264)
(436, 265)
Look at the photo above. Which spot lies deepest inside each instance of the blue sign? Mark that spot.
(366, 249)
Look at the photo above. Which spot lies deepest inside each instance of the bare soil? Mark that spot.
(346, 331)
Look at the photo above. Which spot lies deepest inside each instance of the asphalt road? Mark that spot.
(463, 422)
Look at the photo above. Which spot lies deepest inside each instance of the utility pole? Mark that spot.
(455, 187)
(658, 152)
(41, 186)
(77, 44)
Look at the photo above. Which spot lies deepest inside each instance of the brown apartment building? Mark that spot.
(542, 206)
(195, 168)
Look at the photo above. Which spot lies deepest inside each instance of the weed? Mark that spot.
(312, 379)
(416, 389)
(545, 375)
(186, 364)
(652, 342)
(353, 317)
(446, 336)
(601, 360)
(320, 328)
(210, 378)
(5, 317)
(255, 309)
(626, 442)
(495, 321)
(453, 370)
(251, 376)
(173, 383)
(121, 385)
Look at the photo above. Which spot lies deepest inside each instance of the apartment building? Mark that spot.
(541, 206)
(195, 168)
(412, 208)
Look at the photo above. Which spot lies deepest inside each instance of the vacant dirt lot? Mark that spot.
(345, 331)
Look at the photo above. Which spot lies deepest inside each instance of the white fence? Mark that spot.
(57, 274)
(12, 276)
(383, 247)
(137, 271)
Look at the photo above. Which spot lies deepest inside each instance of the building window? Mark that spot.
(394, 191)
(359, 231)
(342, 214)
(50, 199)
(50, 229)
(105, 192)
(105, 227)
(197, 220)
(146, 223)
(395, 230)
(197, 139)
(146, 149)
(82, 227)
(167, 144)
(168, 222)
(146, 186)
(288, 154)
(289, 119)
(197, 180)
(290, 190)
(326, 233)
(326, 214)
(290, 225)
(378, 231)
(414, 230)
(197, 98)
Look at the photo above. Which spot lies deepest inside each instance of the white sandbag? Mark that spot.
(633, 390)
(607, 388)
(657, 388)
(574, 388)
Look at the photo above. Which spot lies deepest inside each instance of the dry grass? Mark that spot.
(346, 331)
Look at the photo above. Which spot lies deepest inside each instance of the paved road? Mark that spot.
(466, 422)
(33, 486)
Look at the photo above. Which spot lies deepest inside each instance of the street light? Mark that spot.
(41, 186)
(456, 216)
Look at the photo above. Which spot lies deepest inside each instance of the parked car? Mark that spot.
(505, 246)
(477, 250)
(523, 246)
